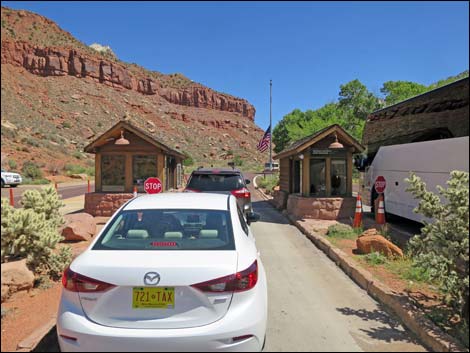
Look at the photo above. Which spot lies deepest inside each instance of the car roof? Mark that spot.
(180, 200)
(216, 171)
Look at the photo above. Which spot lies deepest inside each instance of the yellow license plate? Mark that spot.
(153, 298)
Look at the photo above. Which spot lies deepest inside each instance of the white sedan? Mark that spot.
(168, 272)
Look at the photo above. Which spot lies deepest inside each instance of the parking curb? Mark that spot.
(428, 332)
(31, 342)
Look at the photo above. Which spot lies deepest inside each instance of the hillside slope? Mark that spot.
(58, 94)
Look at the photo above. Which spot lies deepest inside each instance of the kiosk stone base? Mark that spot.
(103, 204)
(330, 208)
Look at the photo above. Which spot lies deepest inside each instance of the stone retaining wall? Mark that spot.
(104, 204)
(330, 208)
(280, 199)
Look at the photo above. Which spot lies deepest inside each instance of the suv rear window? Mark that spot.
(216, 182)
(168, 230)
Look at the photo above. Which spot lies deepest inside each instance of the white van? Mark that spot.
(431, 160)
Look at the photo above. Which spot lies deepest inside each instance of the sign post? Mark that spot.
(153, 186)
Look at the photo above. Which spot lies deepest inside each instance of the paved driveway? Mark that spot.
(313, 305)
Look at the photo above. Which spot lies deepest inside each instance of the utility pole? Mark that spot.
(270, 126)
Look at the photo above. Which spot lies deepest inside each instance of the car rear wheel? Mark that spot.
(14, 185)
(3, 184)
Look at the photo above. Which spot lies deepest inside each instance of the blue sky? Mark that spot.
(308, 49)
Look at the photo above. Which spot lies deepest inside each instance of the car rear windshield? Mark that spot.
(168, 230)
(216, 182)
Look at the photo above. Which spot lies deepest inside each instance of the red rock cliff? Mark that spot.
(60, 62)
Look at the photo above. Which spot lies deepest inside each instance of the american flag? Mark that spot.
(263, 144)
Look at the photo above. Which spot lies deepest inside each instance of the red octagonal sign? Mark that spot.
(153, 186)
(380, 184)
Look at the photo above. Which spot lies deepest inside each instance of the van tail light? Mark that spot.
(238, 282)
(191, 190)
(241, 193)
(76, 282)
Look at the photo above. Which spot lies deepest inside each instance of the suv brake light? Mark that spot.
(242, 193)
(76, 282)
(238, 282)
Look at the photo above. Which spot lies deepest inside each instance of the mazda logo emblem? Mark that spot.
(151, 278)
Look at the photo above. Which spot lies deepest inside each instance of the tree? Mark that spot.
(397, 91)
(354, 96)
(443, 244)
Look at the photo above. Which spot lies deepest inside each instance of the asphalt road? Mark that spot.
(313, 305)
(65, 191)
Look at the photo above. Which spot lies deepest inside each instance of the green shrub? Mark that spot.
(341, 231)
(375, 258)
(29, 181)
(188, 161)
(12, 164)
(238, 161)
(31, 170)
(268, 182)
(78, 169)
(442, 246)
(78, 155)
(31, 232)
(66, 124)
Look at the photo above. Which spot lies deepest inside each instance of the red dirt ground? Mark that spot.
(29, 311)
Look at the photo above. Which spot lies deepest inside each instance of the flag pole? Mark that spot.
(270, 126)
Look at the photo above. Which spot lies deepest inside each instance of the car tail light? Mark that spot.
(241, 193)
(238, 282)
(191, 190)
(76, 282)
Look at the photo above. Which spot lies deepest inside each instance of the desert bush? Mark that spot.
(375, 258)
(188, 161)
(442, 246)
(32, 232)
(31, 170)
(12, 164)
(268, 182)
(341, 231)
(238, 161)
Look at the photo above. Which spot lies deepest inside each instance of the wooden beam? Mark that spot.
(306, 175)
(128, 173)
(328, 176)
(98, 172)
(349, 170)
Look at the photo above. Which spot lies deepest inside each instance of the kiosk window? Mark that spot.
(338, 177)
(113, 173)
(143, 167)
(317, 177)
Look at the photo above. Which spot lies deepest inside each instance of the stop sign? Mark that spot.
(380, 184)
(153, 186)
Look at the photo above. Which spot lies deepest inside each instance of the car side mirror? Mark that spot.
(252, 217)
(247, 181)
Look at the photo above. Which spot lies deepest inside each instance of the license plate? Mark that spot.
(153, 297)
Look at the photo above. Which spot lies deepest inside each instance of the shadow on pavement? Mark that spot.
(388, 332)
(268, 213)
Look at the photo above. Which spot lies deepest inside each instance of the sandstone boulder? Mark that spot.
(367, 244)
(79, 227)
(15, 277)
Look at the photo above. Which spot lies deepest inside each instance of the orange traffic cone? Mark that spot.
(135, 191)
(380, 214)
(358, 215)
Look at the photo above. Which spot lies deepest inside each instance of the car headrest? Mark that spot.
(208, 233)
(137, 234)
(173, 235)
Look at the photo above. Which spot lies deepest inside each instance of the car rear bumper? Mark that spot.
(243, 318)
